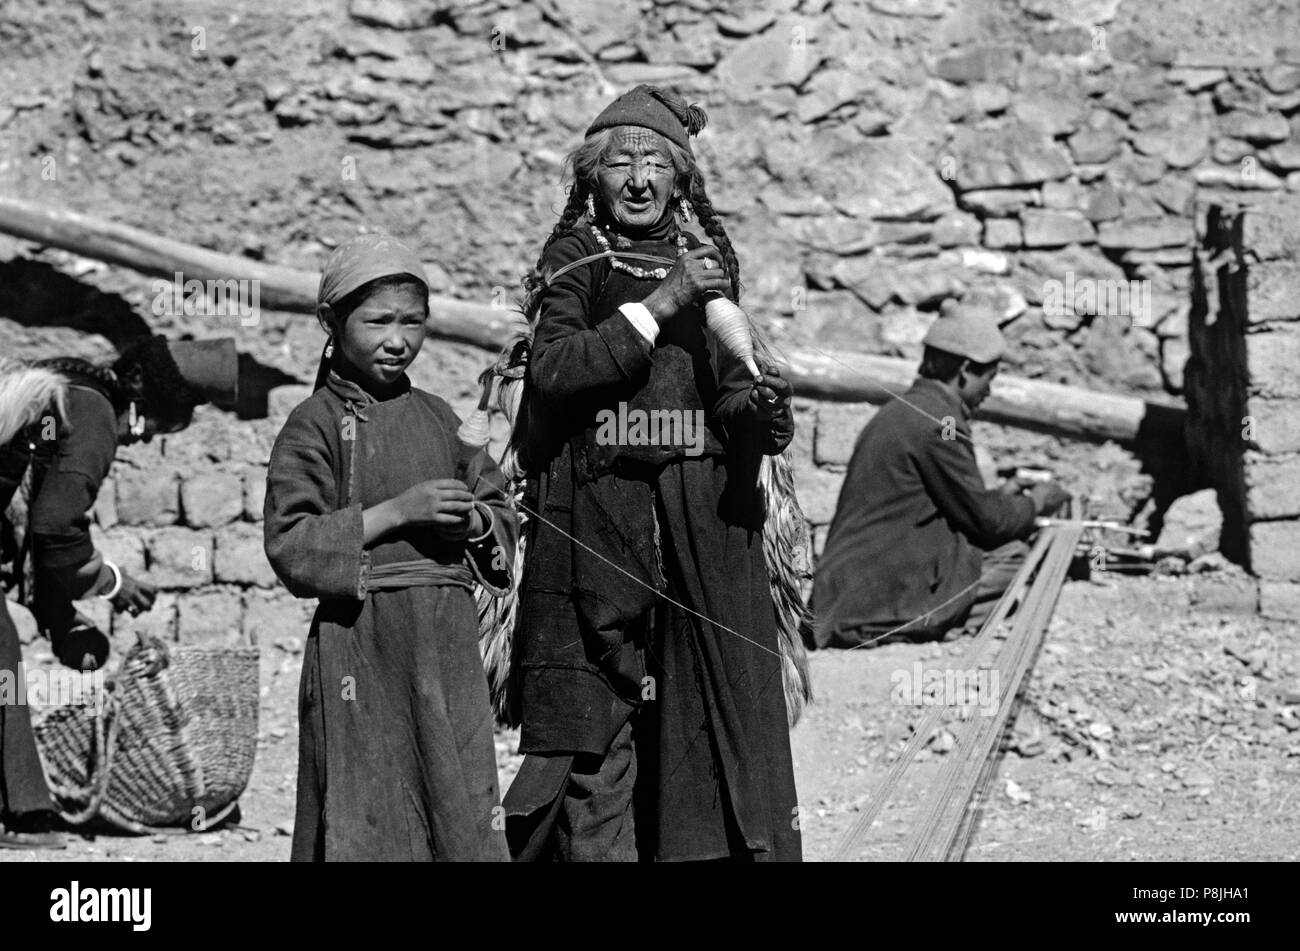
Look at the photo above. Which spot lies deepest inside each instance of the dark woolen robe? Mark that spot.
(911, 525)
(67, 473)
(713, 744)
(396, 752)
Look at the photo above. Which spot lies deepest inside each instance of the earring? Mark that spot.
(684, 208)
(591, 207)
(134, 420)
(329, 348)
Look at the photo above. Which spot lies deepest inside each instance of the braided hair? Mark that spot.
(574, 209)
(83, 371)
(712, 225)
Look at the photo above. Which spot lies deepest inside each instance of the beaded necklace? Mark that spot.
(645, 274)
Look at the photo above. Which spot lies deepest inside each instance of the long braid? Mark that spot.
(712, 225)
(574, 208)
(74, 367)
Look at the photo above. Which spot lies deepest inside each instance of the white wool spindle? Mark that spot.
(475, 430)
(730, 325)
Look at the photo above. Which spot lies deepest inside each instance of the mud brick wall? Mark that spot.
(1244, 389)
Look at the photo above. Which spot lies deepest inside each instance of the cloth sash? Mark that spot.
(418, 574)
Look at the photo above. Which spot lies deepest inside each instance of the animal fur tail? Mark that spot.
(25, 394)
(785, 548)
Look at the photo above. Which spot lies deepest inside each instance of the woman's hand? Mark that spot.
(770, 396)
(694, 274)
(445, 505)
(134, 597)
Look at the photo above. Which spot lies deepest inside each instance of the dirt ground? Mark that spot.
(1161, 724)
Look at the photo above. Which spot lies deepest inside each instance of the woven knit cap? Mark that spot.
(656, 109)
(363, 259)
(967, 332)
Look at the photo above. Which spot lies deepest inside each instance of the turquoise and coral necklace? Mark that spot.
(642, 273)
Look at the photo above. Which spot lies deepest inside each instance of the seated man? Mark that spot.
(918, 546)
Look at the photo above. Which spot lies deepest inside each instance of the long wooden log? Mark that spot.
(841, 375)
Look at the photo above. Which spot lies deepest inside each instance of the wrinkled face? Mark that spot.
(382, 336)
(636, 177)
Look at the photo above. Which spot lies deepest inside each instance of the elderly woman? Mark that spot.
(653, 715)
(61, 423)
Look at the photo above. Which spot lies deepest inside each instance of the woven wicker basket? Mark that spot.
(172, 746)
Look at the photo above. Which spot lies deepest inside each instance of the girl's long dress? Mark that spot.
(396, 752)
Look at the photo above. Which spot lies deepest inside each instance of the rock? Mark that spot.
(828, 90)
(1285, 157)
(1282, 78)
(1062, 196)
(1094, 146)
(1174, 354)
(179, 558)
(240, 557)
(880, 178)
(1249, 176)
(990, 97)
(396, 14)
(1227, 151)
(1057, 111)
(1252, 127)
(1145, 233)
(837, 429)
(210, 499)
(1180, 146)
(1015, 793)
(744, 24)
(1053, 229)
(1000, 202)
(1209, 562)
(275, 617)
(769, 59)
(1002, 233)
(1007, 156)
(148, 496)
(1194, 79)
(956, 228)
(254, 493)
(1275, 425)
(976, 64)
(1175, 195)
(1102, 203)
(1271, 486)
(1192, 526)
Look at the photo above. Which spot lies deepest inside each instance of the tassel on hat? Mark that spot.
(659, 110)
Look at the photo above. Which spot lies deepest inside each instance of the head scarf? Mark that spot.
(357, 262)
(363, 259)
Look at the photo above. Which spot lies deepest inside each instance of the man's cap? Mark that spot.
(656, 109)
(363, 259)
(967, 332)
(209, 367)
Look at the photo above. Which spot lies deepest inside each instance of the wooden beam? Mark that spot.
(844, 376)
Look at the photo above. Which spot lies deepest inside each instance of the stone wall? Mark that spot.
(1243, 397)
(870, 158)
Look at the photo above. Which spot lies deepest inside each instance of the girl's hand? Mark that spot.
(770, 396)
(445, 505)
(694, 274)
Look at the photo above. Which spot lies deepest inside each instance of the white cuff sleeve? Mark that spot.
(640, 318)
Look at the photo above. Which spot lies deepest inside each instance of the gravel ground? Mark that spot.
(1160, 724)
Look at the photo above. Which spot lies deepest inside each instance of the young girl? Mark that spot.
(396, 755)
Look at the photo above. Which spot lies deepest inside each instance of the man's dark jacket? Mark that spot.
(911, 524)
